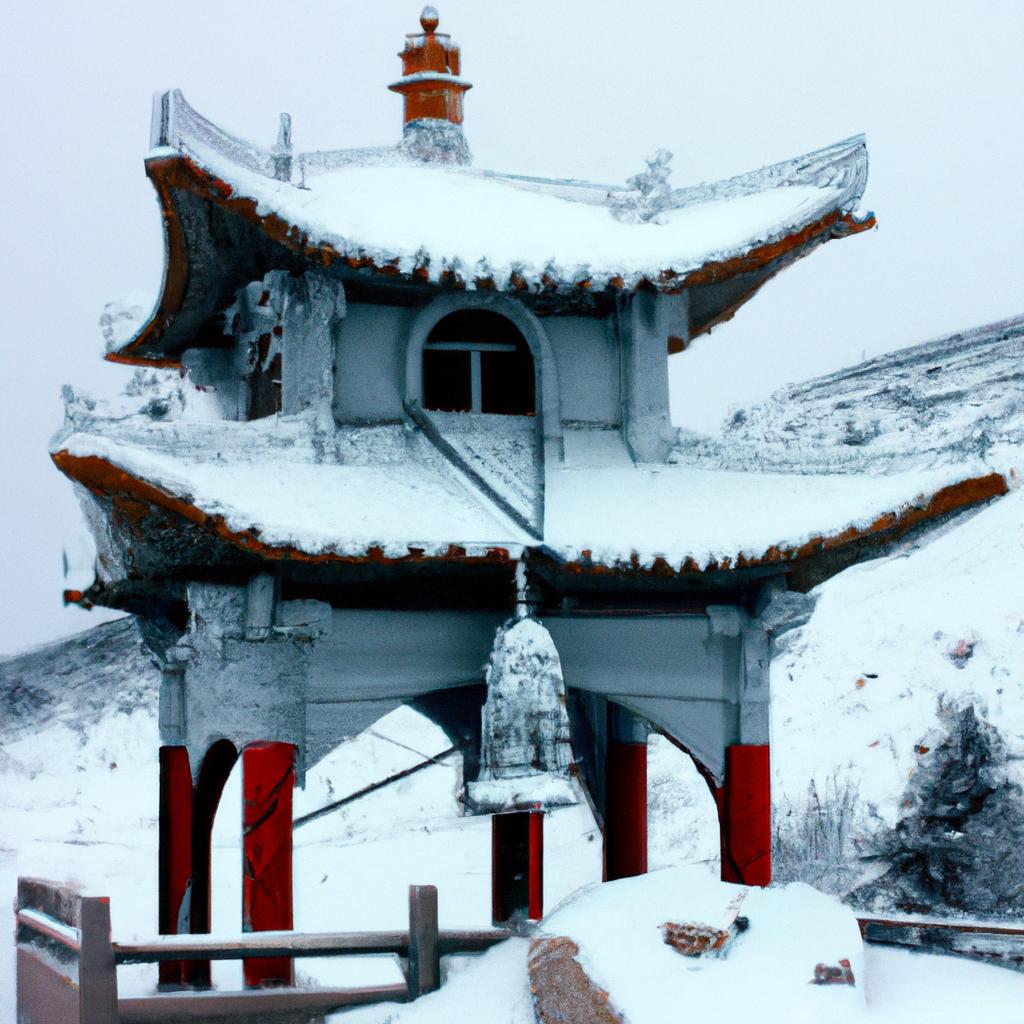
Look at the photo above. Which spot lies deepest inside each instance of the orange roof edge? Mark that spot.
(102, 477)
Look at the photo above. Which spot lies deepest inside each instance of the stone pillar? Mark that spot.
(268, 780)
(746, 815)
(645, 327)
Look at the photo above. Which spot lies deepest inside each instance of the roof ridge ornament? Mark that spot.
(432, 90)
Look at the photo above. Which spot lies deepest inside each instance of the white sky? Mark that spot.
(567, 88)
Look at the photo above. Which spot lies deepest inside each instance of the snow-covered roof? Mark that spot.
(383, 493)
(381, 209)
(267, 480)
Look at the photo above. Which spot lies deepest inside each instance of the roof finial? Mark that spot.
(429, 19)
(432, 87)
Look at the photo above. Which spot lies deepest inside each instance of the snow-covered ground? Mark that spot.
(901, 987)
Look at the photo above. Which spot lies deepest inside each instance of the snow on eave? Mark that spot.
(854, 542)
(102, 476)
(251, 182)
(861, 539)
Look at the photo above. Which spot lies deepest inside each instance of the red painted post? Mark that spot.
(213, 774)
(175, 855)
(517, 852)
(268, 779)
(626, 810)
(747, 823)
(536, 866)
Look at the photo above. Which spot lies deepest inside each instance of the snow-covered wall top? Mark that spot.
(383, 205)
(950, 401)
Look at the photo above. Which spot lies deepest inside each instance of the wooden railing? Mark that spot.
(995, 942)
(67, 962)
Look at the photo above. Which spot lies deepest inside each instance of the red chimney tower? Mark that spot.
(430, 82)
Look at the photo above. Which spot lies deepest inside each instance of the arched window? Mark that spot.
(477, 361)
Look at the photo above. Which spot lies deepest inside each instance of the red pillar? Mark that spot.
(746, 815)
(213, 774)
(625, 822)
(175, 856)
(268, 779)
(517, 865)
(536, 889)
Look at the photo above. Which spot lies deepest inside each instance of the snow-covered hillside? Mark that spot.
(955, 400)
(856, 692)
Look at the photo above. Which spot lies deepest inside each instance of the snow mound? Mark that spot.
(764, 974)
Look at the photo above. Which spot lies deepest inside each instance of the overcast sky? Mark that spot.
(564, 88)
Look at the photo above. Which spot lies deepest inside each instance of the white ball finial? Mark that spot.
(429, 19)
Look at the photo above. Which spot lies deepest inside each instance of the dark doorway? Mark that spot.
(265, 381)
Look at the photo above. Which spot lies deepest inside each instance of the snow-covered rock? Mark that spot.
(766, 969)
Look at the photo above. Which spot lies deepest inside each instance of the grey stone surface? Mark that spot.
(701, 678)
(647, 322)
(370, 363)
(525, 724)
(218, 684)
(435, 141)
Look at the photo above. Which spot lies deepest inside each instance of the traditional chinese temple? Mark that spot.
(436, 466)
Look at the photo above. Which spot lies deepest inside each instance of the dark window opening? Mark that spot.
(265, 382)
(477, 361)
(447, 381)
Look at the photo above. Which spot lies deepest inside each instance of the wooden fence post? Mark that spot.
(424, 960)
(97, 971)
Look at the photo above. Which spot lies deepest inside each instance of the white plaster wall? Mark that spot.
(370, 363)
(586, 354)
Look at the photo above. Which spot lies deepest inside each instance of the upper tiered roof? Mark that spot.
(418, 212)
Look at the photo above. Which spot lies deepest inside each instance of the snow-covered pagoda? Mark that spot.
(420, 451)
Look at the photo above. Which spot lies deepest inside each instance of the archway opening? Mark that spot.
(477, 361)
(682, 813)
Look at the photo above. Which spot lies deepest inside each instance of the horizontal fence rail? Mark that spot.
(67, 962)
(296, 944)
(206, 1006)
(996, 942)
